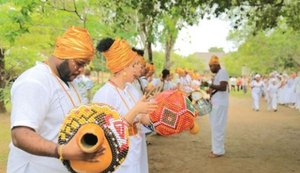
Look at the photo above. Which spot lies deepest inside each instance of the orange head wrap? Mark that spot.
(142, 60)
(180, 71)
(214, 60)
(119, 55)
(76, 43)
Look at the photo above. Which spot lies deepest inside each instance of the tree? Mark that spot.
(215, 49)
(2, 81)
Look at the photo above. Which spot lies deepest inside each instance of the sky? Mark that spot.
(201, 37)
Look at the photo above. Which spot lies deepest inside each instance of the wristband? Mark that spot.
(60, 152)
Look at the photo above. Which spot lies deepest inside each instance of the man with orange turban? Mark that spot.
(41, 97)
(119, 92)
(219, 100)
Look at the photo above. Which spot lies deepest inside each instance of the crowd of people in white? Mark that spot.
(276, 88)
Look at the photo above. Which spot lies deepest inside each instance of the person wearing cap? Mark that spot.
(118, 92)
(219, 99)
(41, 97)
(256, 91)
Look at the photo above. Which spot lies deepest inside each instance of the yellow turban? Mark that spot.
(119, 55)
(214, 60)
(76, 43)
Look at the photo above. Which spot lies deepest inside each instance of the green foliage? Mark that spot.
(267, 51)
(216, 49)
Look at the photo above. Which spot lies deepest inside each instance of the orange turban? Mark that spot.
(180, 71)
(76, 43)
(142, 60)
(119, 55)
(214, 60)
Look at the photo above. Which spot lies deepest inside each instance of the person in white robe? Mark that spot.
(123, 96)
(218, 115)
(297, 91)
(272, 91)
(41, 98)
(256, 91)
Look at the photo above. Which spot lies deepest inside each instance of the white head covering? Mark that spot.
(257, 76)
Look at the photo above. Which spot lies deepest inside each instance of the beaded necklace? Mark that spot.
(124, 101)
(63, 87)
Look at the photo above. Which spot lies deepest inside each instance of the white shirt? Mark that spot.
(257, 86)
(220, 97)
(39, 102)
(185, 82)
(113, 96)
(84, 84)
(297, 85)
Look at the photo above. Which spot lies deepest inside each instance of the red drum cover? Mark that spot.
(175, 113)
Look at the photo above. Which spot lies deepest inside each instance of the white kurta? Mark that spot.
(256, 93)
(218, 115)
(297, 91)
(39, 102)
(135, 161)
(186, 82)
(273, 95)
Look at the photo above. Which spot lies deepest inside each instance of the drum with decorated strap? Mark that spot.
(201, 102)
(91, 126)
(175, 114)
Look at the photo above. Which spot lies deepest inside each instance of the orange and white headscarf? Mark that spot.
(75, 43)
(119, 55)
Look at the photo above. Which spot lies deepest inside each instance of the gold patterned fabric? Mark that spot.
(75, 43)
(214, 60)
(119, 55)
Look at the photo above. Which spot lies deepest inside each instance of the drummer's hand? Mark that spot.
(145, 119)
(209, 91)
(204, 83)
(71, 151)
(144, 107)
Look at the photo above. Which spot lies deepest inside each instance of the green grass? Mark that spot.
(240, 94)
(5, 140)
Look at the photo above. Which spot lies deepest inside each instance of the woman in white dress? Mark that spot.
(257, 87)
(122, 95)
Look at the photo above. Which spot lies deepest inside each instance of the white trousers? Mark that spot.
(297, 103)
(218, 119)
(255, 100)
(272, 102)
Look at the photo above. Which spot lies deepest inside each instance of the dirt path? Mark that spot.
(256, 142)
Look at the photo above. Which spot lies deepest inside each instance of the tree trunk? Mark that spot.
(2, 81)
(169, 46)
(149, 50)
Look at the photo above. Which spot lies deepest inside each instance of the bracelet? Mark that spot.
(60, 152)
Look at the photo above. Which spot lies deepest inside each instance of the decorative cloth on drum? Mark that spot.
(106, 117)
(175, 113)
